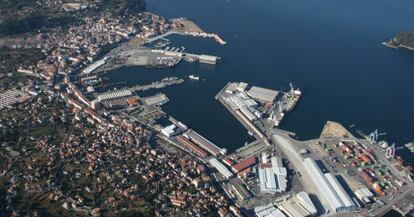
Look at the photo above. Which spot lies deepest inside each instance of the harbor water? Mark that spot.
(330, 49)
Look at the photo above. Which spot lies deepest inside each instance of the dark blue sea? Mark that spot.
(330, 49)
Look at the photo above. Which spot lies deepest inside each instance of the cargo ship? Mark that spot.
(294, 96)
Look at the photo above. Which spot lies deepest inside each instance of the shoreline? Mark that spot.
(390, 45)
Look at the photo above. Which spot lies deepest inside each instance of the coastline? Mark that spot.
(390, 44)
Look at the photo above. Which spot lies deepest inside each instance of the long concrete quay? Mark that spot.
(203, 58)
(216, 37)
(157, 84)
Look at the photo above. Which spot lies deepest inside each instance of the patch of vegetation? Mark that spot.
(405, 39)
(121, 7)
(12, 59)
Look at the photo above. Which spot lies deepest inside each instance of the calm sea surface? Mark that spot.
(331, 49)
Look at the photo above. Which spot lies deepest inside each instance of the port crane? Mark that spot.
(390, 152)
(373, 137)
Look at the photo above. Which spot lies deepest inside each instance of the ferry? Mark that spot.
(194, 77)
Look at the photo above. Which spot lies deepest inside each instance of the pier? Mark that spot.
(203, 58)
(157, 84)
(216, 37)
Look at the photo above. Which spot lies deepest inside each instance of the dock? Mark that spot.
(214, 36)
(157, 84)
(202, 58)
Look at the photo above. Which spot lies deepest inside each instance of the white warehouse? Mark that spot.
(272, 178)
(329, 187)
(221, 168)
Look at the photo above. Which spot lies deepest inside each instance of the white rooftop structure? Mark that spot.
(262, 94)
(221, 168)
(306, 202)
(242, 86)
(272, 179)
(168, 130)
(268, 211)
(293, 209)
(205, 143)
(250, 115)
(114, 94)
(329, 187)
(231, 87)
(364, 194)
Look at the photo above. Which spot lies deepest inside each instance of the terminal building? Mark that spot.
(205, 143)
(272, 177)
(329, 187)
(221, 168)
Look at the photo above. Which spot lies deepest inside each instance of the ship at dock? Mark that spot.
(294, 95)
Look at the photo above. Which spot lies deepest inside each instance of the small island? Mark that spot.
(403, 40)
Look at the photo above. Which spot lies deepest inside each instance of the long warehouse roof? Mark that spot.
(262, 94)
(328, 189)
(221, 168)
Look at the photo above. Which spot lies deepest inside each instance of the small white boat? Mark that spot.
(194, 77)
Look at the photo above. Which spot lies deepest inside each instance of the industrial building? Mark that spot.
(221, 168)
(329, 187)
(244, 164)
(193, 147)
(364, 195)
(304, 200)
(293, 209)
(272, 177)
(205, 143)
(10, 97)
(242, 87)
(251, 126)
(114, 94)
(262, 94)
(241, 192)
(94, 66)
(297, 206)
(268, 211)
(170, 130)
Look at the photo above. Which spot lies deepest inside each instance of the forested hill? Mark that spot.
(405, 39)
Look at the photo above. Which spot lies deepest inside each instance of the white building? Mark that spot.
(262, 94)
(364, 195)
(268, 211)
(304, 200)
(242, 86)
(329, 187)
(221, 168)
(169, 130)
(114, 94)
(272, 178)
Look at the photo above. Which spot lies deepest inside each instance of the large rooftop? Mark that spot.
(262, 94)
